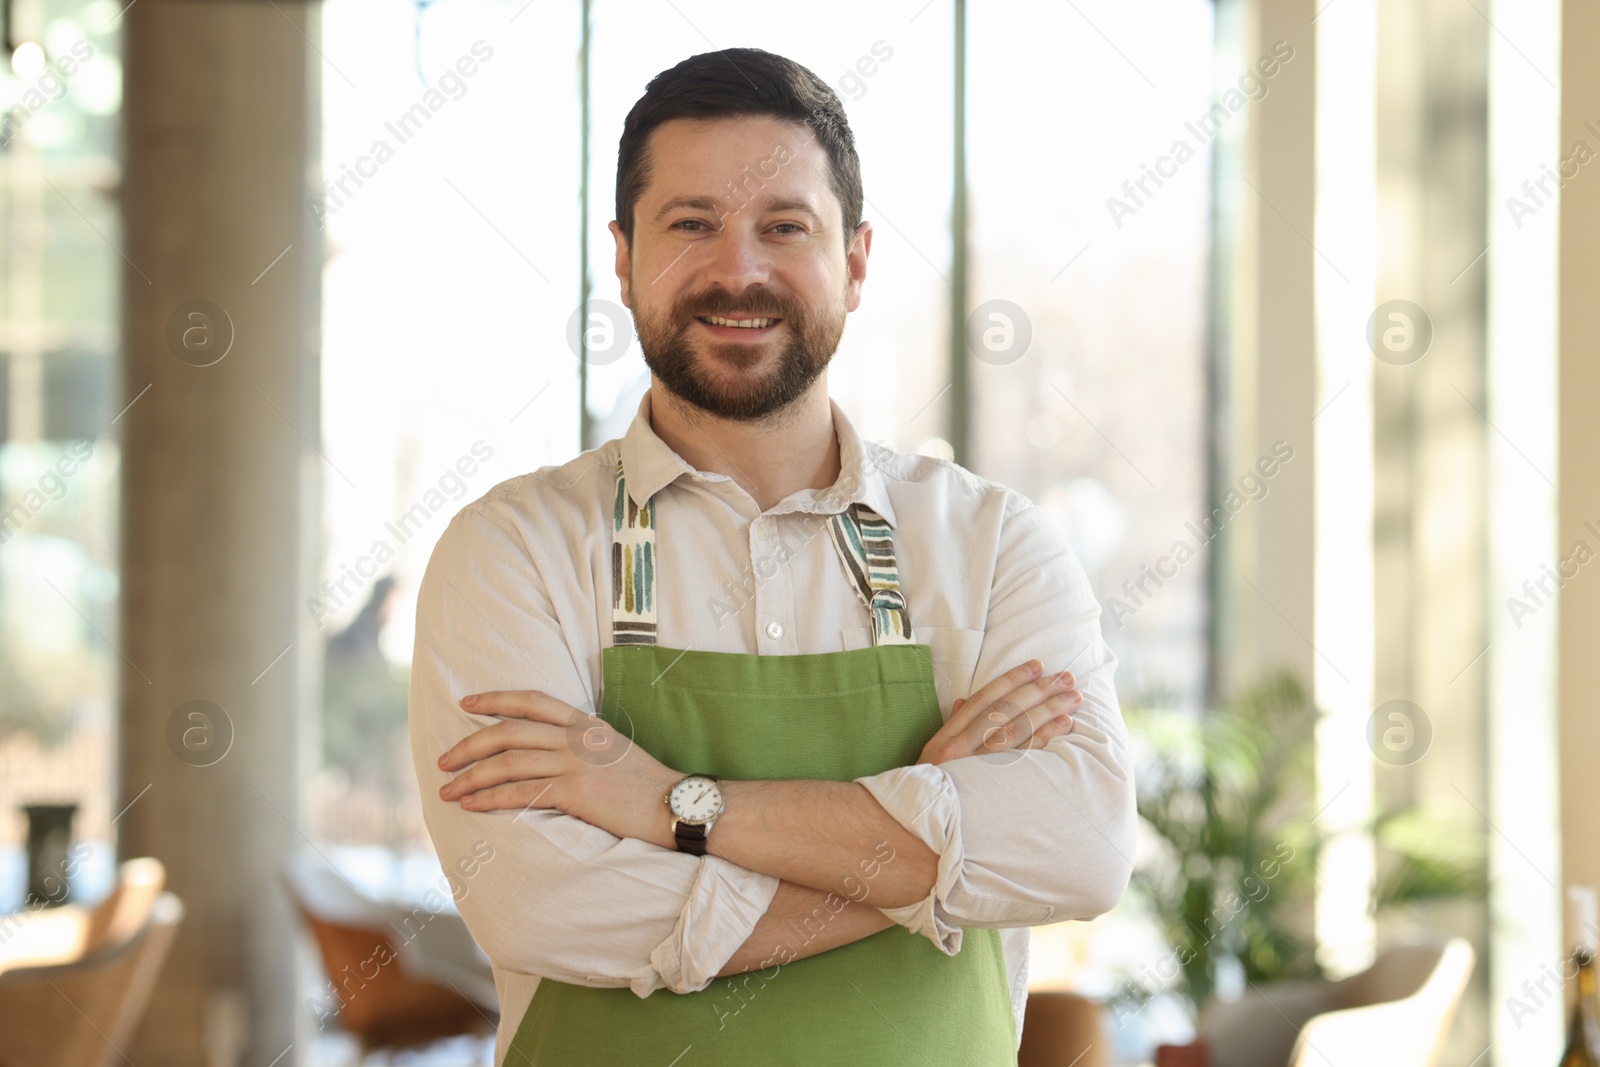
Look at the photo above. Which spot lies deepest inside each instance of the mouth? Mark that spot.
(739, 329)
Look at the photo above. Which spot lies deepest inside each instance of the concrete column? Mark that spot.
(221, 482)
(1267, 573)
(1431, 440)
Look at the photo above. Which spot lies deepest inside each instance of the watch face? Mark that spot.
(696, 800)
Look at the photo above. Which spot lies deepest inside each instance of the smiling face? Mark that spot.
(738, 275)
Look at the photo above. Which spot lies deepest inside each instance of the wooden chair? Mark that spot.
(1061, 1028)
(1398, 1011)
(70, 932)
(379, 1002)
(74, 982)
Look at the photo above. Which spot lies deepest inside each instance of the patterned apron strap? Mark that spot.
(863, 540)
(633, 568)
(866, 548)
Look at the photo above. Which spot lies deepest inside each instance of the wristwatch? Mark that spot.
(694, 803)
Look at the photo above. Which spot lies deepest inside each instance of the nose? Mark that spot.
(735, 259)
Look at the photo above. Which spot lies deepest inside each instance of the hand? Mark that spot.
(1023, 708)
(551, 755)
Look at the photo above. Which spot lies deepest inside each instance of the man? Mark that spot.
(794, 833)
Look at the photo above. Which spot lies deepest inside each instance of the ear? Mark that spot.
(856, 264)
(624, 263)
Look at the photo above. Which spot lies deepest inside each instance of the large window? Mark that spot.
(59, 265)
(1090, 212)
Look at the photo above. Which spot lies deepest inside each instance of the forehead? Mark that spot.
(754, 154)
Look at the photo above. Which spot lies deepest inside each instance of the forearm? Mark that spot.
(828, 836)
(803, 922)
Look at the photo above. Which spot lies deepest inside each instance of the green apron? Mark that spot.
(887, 1000)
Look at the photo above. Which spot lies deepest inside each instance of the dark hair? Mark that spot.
(738, 81)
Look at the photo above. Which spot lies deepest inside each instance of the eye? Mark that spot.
(689, 222)
(794, 227)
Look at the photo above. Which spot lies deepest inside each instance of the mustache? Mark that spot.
(754, 303)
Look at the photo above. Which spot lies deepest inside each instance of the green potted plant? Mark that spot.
(1228, 797)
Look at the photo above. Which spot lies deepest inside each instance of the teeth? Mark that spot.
(749, 324)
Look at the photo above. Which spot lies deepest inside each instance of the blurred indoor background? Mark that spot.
(1283, 310)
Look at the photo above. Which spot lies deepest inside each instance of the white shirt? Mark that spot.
(517, 596)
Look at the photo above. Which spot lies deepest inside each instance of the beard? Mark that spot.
(685, 366)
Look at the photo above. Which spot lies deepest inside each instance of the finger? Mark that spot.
(987, 712)
(500, 737)
(1010, 721)
(969, 722)
(1030, 693)
(513, 766)
(528, 704)
(1006, 731)
(1047, 731)
(964, 717)
(1060, 726)
(998, 730)
(1014, 678)
(515, 796)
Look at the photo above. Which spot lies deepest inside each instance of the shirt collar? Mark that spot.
(652, 464)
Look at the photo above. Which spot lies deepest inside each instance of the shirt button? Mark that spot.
(761, 531)
(774, 630)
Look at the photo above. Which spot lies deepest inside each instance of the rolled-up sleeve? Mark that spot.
(1027, 836)
(549, 894)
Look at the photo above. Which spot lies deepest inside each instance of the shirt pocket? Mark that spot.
(855, 637)
(954, 652)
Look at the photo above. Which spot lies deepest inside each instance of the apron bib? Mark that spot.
(890, 999)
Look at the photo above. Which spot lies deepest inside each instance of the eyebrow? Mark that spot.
(712, 204)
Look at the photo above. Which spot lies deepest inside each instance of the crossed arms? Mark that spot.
(1011, 818)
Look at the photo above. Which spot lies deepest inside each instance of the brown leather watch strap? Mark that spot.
(691, 838)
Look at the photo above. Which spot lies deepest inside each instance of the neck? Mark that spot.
(795, 449)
